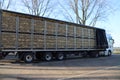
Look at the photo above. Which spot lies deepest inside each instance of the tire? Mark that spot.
(28, 58)
(60, 56)
(109, 53)
(5, 54)
(48, 56)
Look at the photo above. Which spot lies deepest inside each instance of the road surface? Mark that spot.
(103, 68)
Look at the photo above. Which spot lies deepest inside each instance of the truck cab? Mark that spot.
(109, 50)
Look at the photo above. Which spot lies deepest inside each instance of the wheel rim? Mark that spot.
(29, 58)
(60, 56)
(48, 57)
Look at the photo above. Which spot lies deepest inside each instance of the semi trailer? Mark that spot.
(33, 37)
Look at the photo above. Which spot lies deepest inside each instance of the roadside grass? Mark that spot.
(116, 52)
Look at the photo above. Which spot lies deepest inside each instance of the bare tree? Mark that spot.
(38, 7)
(86, 12)
(5, 4)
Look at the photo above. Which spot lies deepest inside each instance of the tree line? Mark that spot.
(86, 12)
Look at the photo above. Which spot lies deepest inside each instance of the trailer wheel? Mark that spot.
(3, 55)
(60, 56)
(28, 57)
(48, 56)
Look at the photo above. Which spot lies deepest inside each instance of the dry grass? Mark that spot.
(116, 52)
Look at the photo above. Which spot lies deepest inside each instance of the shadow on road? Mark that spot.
(75, 62)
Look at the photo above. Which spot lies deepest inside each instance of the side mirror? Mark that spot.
(112, 41)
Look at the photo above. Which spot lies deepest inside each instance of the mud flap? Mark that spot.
(1, 56)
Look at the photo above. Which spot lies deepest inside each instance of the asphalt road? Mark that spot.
(103, 68)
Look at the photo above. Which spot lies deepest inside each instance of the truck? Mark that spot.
(109, 50)
(33, 37)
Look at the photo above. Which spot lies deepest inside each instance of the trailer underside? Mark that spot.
(31, 55)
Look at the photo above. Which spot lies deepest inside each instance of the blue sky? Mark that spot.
(111, 25)
(114, 27)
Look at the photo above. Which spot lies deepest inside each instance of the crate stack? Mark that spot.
(8, 24)
(8, 40)
(38, 33)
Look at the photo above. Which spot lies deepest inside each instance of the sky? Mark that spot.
(111, 25)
